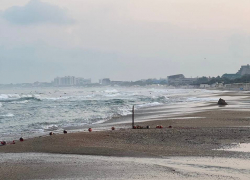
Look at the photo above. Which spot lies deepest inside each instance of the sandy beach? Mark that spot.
(192, 135)
(124, 90)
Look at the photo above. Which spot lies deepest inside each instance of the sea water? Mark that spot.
(34, 111)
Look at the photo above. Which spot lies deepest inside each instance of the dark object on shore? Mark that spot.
(133, 117)
(113, 128)
(159, 127)
(148, 127)
(222, 102)
(3, 143)
(90, 129)
(13, 142)
(21, 139)
(169, 126)
(139, 127)
(51, 133)
(65, 132)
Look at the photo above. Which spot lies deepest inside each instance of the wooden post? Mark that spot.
(133, 117)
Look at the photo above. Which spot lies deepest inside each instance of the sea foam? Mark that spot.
(8, 115)
(17, 97)
(149, 105)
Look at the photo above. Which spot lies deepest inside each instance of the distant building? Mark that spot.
(82, 81)
(175, 79)
(188, 81)
(231, 76)
(244, 70)
(227, 86)
(177, 76)
(204, 85)
(65, 81)
(217, 85)
(105, 81)
(179, 79)
(239, 86)
(120, 82)
(41, 84)
(70, 81)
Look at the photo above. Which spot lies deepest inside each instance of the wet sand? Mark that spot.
(192, 134)
(57, 166)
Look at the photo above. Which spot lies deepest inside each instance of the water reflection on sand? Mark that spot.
(58, 166)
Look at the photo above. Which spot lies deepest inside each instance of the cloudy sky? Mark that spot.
(122, 40)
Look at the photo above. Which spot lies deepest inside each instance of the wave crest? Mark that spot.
(16, 97)
(8, 115)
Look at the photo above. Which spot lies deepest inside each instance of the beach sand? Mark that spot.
(57, 166)
(192, 135)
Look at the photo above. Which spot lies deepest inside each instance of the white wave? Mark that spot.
(166, 97)
(50, 127)
(14, 97)
(111, 91)
(149, 104)
(112, 95)
(17, 96)
(99, 122)
(8, 96)
(55, 98)
(89, 96)
(124, 111)
(8, 115)
(20, 102)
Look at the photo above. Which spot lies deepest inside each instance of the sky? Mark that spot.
(122, 40)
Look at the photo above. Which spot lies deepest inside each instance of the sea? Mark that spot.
(29, 112)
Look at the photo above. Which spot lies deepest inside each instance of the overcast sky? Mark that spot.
(122, 39)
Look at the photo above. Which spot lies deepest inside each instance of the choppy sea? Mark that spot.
(34, 111)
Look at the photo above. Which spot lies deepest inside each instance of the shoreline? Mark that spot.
(190, 149)
(213, 130)
(163, 112)
(195, 113)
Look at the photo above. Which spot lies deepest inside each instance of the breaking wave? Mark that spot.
(149, 105)
(12, 98)
(7, 115)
